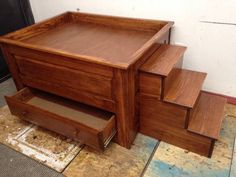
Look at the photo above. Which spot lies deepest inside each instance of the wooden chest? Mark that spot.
(77, 74)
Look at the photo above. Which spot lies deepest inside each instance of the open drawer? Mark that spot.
(87, 124)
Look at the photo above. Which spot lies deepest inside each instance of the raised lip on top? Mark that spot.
(157, 26)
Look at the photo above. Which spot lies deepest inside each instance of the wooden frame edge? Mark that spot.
(230, 99)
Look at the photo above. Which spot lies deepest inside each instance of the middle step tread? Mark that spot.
(183, 86)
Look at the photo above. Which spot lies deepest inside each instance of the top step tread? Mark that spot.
(207, 116)
(163, 59)
(184, 87)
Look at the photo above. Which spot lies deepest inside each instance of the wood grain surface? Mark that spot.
(92, 59)
(150, 84)
(183, 86)
(157, 111)
(164, 59)
(107, 40)
(206, 117)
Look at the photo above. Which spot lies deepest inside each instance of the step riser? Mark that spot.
(152, 84)
(157, 111)
(167, 82)
(179, 137)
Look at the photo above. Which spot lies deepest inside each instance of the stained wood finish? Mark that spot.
(12, 66)
(97, 43)
(150, 84)
(207, 116)
(164, 60)
(37, 28)
(87, 124)
(118, 22)
(182, 87)
(166, 122)
(62, 76)
(61, 61)
(68, 92)
(127, 122)
(107, 50)
(152, 109)
(94, 40)
(179, 137)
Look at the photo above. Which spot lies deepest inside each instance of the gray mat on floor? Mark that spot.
(15, 164)
(6, 88)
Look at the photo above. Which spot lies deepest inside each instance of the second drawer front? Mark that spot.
(67, 77)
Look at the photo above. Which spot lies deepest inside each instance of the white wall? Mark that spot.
(211, 47)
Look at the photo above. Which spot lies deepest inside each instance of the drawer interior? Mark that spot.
(86, 118)
(86, 115)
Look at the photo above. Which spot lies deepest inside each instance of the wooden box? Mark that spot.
(91, 59)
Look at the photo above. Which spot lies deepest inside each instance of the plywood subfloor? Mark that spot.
(230, 110)
(117, 161)
(57, 151)
(48, 148)
(168, 160)
(171, 161)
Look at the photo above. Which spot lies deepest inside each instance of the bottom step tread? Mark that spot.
(207, 115)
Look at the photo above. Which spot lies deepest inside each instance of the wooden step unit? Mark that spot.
(207, 116)
(166, 122)
(171, 106)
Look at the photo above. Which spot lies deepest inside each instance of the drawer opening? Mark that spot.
(88, 124)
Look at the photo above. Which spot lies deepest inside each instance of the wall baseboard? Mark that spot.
(230, 100)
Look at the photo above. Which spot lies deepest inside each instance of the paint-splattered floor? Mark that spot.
(167, 160)
(171, 161)
(58, 152)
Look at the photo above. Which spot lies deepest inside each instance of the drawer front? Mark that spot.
(97, 69)
(97, 139)
(66, 77)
